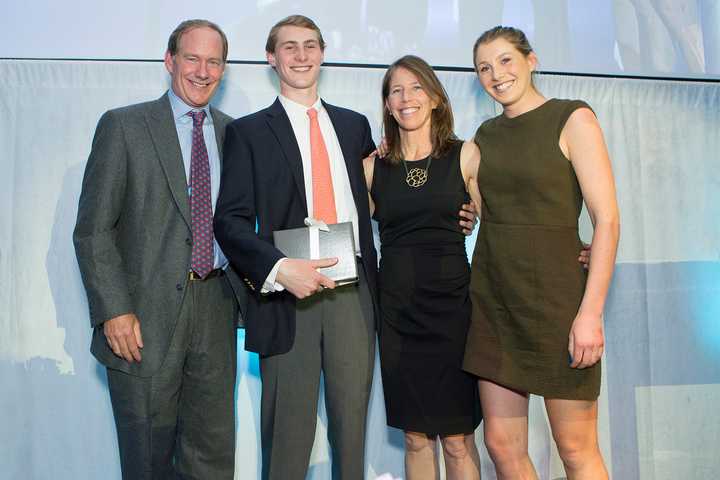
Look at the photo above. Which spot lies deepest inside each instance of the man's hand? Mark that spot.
(301, 278)
(586, 341)
(468, 217)
(124, 337)
(584, 257)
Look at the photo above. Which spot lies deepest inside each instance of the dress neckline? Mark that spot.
(525, 115)
(418, 160)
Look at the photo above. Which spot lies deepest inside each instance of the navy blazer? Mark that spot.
(263, 187)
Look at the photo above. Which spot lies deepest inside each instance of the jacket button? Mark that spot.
(179, 287)
(188, 241)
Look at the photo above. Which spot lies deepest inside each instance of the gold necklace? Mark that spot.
(416, 176)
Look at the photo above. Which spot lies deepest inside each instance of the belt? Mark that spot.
(218, 272)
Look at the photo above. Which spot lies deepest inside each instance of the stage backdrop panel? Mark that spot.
(662, 368)
(639, 37)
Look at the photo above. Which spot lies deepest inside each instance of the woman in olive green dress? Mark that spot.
(537, 316)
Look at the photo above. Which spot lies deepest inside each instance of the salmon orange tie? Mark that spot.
(323, 194)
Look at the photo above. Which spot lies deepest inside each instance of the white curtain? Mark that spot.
(661, 383)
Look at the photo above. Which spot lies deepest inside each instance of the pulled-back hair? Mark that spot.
(188, 25)
(442, 135)
(513, 35)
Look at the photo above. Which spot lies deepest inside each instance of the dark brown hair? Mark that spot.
(292, 21)
(442, 135)
(188, 25)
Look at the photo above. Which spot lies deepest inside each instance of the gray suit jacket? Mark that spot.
(133, 235)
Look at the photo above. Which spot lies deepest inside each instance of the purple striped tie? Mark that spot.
(200, 201)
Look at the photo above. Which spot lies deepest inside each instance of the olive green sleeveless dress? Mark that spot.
(526, 282)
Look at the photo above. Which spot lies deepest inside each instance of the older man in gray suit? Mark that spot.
(161, 295)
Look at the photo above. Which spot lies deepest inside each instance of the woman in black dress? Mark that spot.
(416, 191)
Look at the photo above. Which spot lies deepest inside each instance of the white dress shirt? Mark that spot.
(344, 200)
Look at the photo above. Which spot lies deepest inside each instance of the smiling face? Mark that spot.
(297, 58)
(408, 101)
(504, 72)
(197, 67)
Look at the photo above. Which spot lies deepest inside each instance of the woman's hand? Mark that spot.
(382, 149)
(586, 341)
(468, 217)
(584, 257)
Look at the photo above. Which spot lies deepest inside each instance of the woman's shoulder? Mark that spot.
(469, 157)
(491, 122)
(567, 106)
(456, 145)
(570, 110)
(488, 128)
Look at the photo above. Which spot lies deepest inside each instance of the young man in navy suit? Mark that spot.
(296, 320)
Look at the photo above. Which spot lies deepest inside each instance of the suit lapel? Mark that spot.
(161, 126)
(280, 125)
(351, 163)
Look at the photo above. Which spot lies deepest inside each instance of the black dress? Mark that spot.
(424, 301)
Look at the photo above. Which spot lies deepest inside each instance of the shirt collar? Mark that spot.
(180, 109)
(294, 108)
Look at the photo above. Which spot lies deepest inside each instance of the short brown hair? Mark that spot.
(188, 25)
(292, 21)
(442, 135)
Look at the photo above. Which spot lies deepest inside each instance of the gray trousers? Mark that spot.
(180, 422)
(335, 334)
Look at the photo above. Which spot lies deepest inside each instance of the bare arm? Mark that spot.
(582, 141)
(469, 165)
(368, 169)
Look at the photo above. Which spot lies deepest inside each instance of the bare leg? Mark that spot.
(574, 428)
(421, 462)
(462, 460)
(505, 418)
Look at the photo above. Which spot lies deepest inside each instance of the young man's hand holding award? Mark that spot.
(317, 240)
